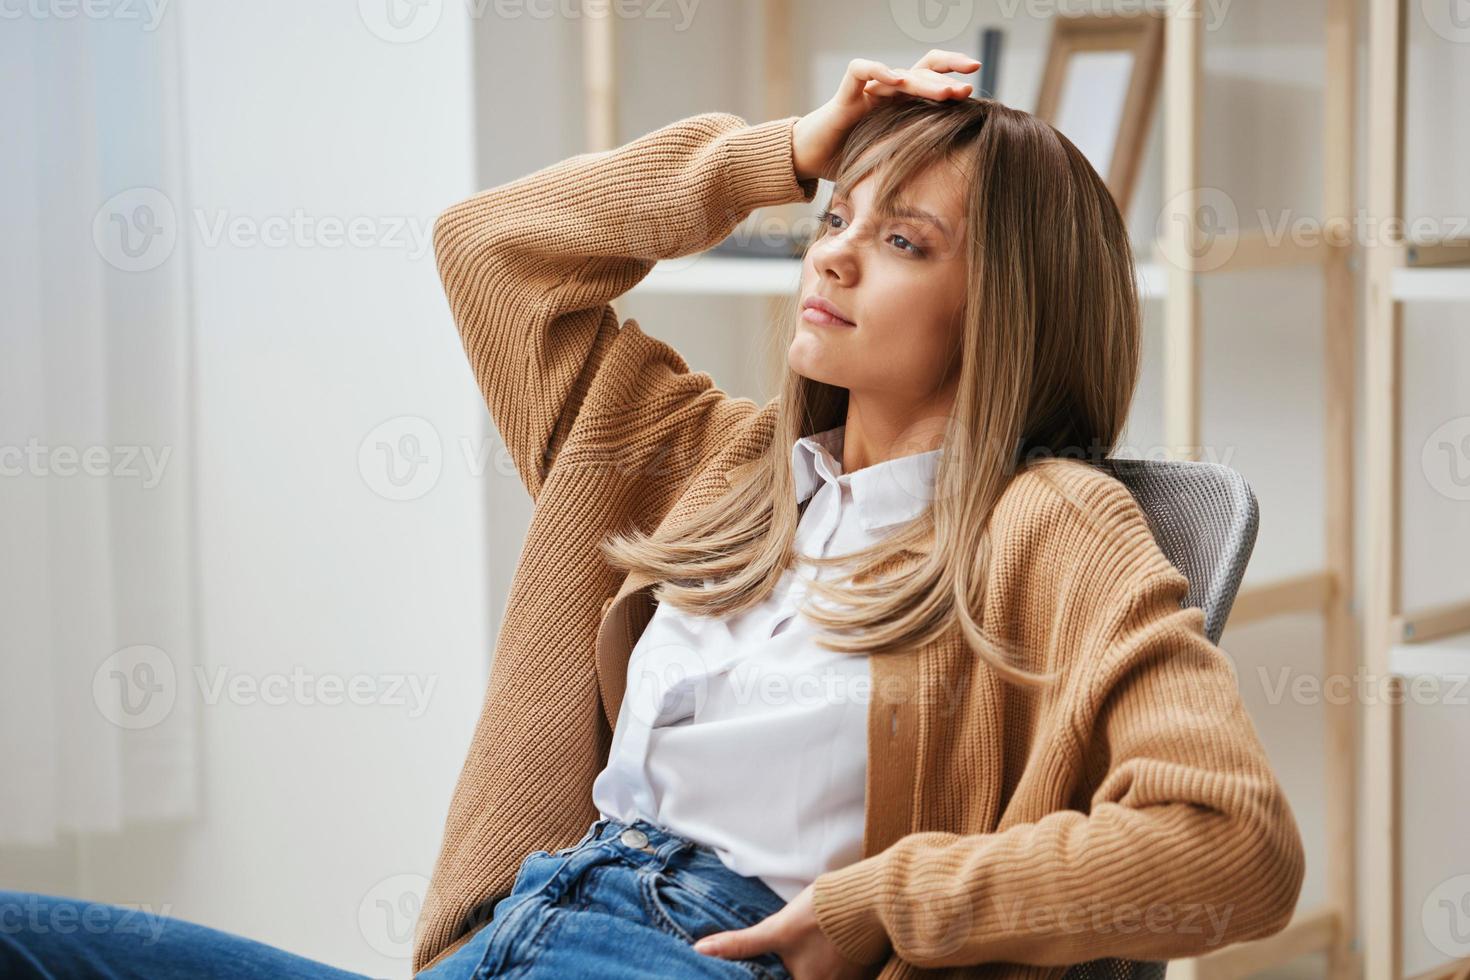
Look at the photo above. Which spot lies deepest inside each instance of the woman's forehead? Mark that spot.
(937, 191)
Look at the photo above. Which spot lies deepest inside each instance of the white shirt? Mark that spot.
(741, 733)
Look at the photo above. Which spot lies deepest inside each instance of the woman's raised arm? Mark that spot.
(530, 267)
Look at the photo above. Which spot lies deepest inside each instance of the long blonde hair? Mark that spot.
(1049, 362)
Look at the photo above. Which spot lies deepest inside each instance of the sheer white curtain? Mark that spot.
(97, 690)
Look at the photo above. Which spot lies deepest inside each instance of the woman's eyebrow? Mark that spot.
(909, 211)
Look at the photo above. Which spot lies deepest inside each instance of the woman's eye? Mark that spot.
(827, 217)
(910, 246)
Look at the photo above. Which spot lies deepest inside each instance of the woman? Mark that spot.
(1024, 754)
(1054, 764)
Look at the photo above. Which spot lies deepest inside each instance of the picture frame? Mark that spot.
(1100, 87)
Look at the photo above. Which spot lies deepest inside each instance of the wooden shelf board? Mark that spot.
(1447, 658)
(1431, 283)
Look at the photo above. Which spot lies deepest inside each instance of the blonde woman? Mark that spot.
(1022, 751)
(882, 678)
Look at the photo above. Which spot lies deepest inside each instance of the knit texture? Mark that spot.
(1128, 811)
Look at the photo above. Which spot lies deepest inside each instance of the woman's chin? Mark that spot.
(806, 359)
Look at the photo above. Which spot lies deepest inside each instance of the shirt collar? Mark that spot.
(885, 493)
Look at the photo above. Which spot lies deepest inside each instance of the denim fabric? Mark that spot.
(48, 936)
(614, 908)
(610, 907)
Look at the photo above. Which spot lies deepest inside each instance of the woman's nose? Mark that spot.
(835, 258)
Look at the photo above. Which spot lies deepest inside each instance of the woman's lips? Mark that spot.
(812, 314)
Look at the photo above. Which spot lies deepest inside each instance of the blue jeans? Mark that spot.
(626, 903)
(53, 937)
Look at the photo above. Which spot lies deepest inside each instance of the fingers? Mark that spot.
(863, 70)
(942, 61)
(920, 81)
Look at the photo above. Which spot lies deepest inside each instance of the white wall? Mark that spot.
(320, 822)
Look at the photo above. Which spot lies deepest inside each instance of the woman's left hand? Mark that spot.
(792, 934)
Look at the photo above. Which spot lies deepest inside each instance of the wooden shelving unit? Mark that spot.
(1331, 927)
(1171, 277)
(1398, 643)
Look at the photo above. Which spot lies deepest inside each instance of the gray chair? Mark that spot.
(1204, 517)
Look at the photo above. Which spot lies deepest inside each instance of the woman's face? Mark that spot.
(899, 280)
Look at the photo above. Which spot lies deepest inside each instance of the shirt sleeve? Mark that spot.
(1187, 844)
(530, 267)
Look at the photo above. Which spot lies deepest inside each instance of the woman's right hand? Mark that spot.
(819, 135)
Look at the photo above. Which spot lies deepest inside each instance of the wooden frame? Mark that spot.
(1141, 36)
(1398, 642)
(1332, 926)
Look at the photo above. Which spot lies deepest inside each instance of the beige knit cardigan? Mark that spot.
(1130, 811)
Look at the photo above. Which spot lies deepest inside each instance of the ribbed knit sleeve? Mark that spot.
(529, 269)
(1187, 843)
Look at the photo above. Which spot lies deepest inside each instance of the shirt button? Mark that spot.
(634, 837)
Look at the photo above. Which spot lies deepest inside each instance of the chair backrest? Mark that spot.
(1204, 517)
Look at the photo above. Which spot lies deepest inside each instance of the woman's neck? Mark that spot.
(879, 431)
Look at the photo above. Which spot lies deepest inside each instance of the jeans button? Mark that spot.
(634, 837)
